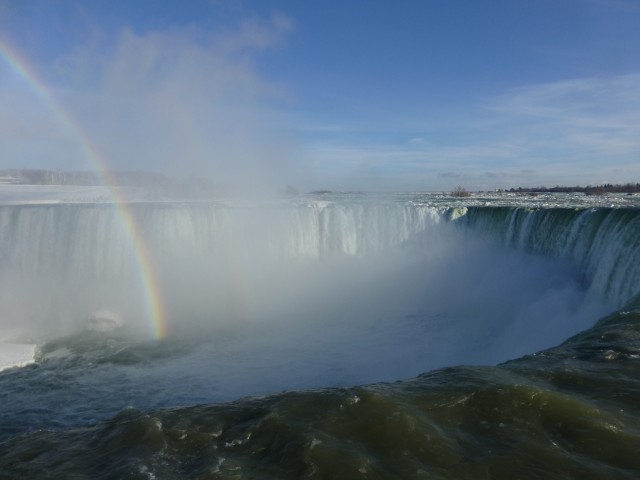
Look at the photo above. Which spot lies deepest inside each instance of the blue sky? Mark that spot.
(374, 95)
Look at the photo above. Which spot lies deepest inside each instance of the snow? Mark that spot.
(16, 354)
(39, 194)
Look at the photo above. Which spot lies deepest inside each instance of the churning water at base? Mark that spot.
(319, 295)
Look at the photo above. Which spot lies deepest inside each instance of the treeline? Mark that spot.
(588, 190)
(84, 178)
(150, 181)
(48, 177)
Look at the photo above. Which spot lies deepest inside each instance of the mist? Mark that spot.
(185, 102)
(289, 296)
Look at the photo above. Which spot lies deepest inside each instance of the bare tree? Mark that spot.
(460, 192)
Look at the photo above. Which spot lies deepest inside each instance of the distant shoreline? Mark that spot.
(588, 190)
(160, 182)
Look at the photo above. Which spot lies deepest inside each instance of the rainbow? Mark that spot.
(155, 308)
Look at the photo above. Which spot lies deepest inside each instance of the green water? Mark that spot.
(569, 412)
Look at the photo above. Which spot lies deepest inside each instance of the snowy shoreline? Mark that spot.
(15, 355)
(43, 194)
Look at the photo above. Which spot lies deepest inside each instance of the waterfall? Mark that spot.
(604, 243)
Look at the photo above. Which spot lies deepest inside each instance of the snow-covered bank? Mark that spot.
(16, 354)
(39, 194)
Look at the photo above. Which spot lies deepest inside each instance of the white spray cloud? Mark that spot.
(189, 102)
(183, 101)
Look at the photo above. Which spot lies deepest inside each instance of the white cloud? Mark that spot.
(585, 117)
(569, 132)
(256, 34)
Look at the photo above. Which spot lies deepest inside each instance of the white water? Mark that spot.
(604, 244)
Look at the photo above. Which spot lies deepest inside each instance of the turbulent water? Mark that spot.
(336, 336)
